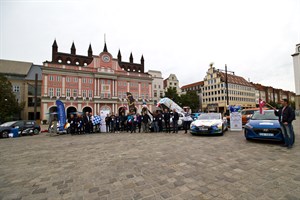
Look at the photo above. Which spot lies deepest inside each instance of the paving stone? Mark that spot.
(148, 166)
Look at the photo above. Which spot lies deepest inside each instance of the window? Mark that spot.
(175, 84)
(75, 79)
(58, 78)
(83, 93)
(90, 81)
(16, 88)
(51, 92)
(58, 92)
(155, 86)
(75, 92)
(155, 94)
(158, 86)
(68, 92)
(84, 80)
(90, 93)
(68, 79)
(50, 78)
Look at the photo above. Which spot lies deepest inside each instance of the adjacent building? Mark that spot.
(172, 82)
(93, 83)
(198, 87)
(158, 85)
(296, 61)
(22, 76)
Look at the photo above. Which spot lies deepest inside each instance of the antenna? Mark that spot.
(104, 38)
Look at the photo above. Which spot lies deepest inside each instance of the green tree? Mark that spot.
(190, 99)
(8, 103)
(171, 93)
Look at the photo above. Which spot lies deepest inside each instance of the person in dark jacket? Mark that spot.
(175, 121)
(107, 123)
(167, 120)
(86, 122)
(286, 116)
(159, 122)
(72, 122)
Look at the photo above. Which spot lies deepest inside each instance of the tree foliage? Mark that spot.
(171, 93)
(8, 103)
(190, 99)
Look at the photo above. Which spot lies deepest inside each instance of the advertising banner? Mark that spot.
(61, 114)
(235, 118)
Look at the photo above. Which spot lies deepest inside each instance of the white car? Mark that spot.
(209, 124)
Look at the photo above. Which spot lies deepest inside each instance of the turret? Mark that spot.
(131, 58)
(73, 49)
(90, 51)
(119, 56)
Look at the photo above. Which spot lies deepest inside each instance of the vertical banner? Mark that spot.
(235, 118)
(61, 114)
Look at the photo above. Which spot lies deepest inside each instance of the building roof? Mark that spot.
(200, 83)
(259, 86)
(234, 79)
(14, 67)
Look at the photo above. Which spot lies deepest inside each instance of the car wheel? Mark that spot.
(5, 134)
(36, 131)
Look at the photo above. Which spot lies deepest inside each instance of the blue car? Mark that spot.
(263, 126)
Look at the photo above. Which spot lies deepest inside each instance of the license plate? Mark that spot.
(203, 129)
(266, 134)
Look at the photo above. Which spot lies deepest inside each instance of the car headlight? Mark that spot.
(248, 126)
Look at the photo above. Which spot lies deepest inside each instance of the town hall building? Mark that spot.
(93, 83)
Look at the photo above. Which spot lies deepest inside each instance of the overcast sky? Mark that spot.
(255, 38)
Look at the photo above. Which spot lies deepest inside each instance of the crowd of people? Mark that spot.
(158, 121)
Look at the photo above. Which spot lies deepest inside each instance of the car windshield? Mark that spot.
(266, 115)
(207, 116)
(7, 124)
(247, 112)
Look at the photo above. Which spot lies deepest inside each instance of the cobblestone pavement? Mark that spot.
(148, 166)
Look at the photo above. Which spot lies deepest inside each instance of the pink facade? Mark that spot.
(100, 84)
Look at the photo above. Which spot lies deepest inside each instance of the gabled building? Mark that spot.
(172, 82)
(93, 83)
(240, 91)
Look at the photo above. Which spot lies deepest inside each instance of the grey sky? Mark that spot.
(255, 38)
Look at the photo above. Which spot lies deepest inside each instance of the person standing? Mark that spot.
(167, 120)
(79, 124)
(117, 120)
(86, 122)
(72, 122)
(139, 121)
(159, 122)
(107, 123)
(186, 119)
(145, 122)
(286, 116)
(175, 121)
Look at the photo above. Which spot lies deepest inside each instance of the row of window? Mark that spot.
(223, 98)
(135, 95)
(70, 92)
(233, 92)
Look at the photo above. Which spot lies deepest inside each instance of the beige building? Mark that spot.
(157, 85)
(173, 82)
(22, 77)
(240, 91)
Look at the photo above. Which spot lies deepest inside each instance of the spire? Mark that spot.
(142, 60)
(105, 48)
(119, 56)
(73, 49)
(131, 58)
(90, 51)
(54, 44)
(54, 50)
